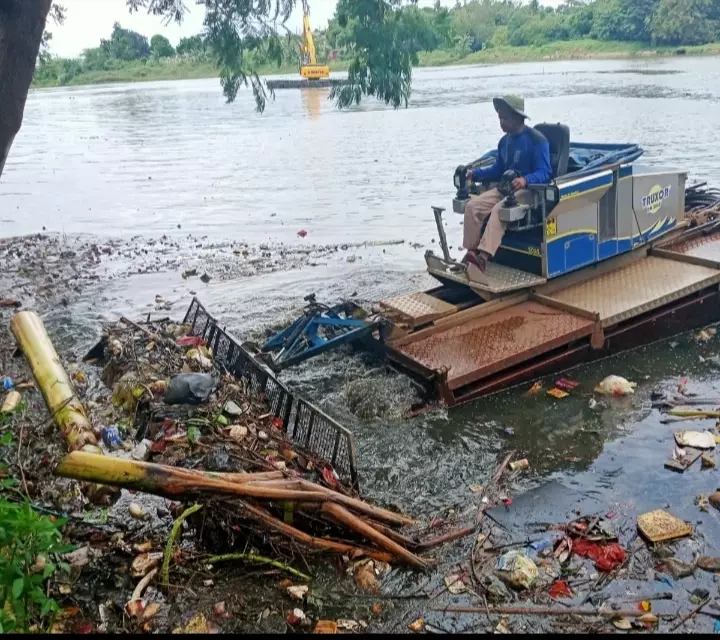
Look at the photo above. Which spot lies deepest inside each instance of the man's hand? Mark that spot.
(519, 183)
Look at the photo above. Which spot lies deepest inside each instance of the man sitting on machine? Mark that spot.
(522, 149)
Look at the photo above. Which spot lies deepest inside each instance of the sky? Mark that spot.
(87, 21)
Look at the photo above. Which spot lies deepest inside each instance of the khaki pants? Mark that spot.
(486, 206)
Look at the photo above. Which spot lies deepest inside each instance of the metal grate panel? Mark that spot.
(637, 288)
(305, 424)
(490, 343)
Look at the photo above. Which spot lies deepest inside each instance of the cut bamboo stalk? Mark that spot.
(173, 482)
(65, 408)
(349, 520)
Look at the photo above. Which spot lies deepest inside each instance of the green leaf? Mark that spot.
(47, 606)
(48, 570)
(193, 435)
(17, 588)
(6, 438)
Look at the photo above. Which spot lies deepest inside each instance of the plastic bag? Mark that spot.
(615, 386)
(516, 570)
(605, 556)
(189, 388)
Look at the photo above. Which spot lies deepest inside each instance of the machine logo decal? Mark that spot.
(653, 200)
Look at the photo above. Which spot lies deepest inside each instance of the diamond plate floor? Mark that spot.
(419, 307)
(707, 247)
(501, 278)
(638, 287)
(494, 342)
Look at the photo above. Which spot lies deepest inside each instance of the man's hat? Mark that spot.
(513, 103)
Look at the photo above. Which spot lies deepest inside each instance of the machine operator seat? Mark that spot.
(558, 137)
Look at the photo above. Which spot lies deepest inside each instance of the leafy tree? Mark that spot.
(193, 46)
(125, 44)
(623, 20)
(688, 22)
(160, 47)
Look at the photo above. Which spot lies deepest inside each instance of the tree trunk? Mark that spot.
(22, 23)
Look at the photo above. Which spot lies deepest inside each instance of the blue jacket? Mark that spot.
(528, 153)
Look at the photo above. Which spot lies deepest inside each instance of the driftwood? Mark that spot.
(345, 517)
(175, 483)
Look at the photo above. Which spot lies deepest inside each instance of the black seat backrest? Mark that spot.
(558, 137)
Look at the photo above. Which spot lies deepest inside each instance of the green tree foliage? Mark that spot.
(160, 47)
(690, 22)
(125, 44)
(192, 46)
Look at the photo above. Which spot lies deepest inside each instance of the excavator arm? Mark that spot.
(309, 68)
(308, 44)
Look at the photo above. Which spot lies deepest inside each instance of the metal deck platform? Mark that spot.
(475, 347)
(637, 288)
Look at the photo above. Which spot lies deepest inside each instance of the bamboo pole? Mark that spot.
(65, 408)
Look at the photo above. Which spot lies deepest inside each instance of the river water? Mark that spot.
(171, 158)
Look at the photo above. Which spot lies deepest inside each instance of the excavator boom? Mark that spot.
(309, 68)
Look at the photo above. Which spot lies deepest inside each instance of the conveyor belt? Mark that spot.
(637, 288)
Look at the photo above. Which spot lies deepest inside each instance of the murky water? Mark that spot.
(171, 158)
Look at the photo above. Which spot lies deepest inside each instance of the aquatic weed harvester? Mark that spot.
(609, 255)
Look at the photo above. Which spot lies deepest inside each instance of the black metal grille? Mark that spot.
(306, 425)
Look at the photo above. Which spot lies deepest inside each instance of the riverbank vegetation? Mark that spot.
(480, 31)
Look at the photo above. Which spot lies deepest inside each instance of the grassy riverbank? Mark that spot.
(187, 69)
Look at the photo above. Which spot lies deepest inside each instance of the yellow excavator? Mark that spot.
(309, 67)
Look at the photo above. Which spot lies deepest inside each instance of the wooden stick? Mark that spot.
(692, 614)
(549, 611)
(448, 537)
(495, 478)
(348, 519)
(317, 543)
(406, 542)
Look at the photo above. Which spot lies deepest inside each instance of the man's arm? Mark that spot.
(493, 172)
(543, 172)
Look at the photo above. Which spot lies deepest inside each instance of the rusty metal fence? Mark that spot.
(305, 424)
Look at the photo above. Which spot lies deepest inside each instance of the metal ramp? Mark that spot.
(476, 343)
(638, 287)
(416, 309)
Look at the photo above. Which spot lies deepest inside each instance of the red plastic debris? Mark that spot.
(85, 628)
(277, 423)
(189, 341)
(560, 589)
(605, 556)
(507, 501)
(329, 477)
(302, 233)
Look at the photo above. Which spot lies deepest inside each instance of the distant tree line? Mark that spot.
(467, 27)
